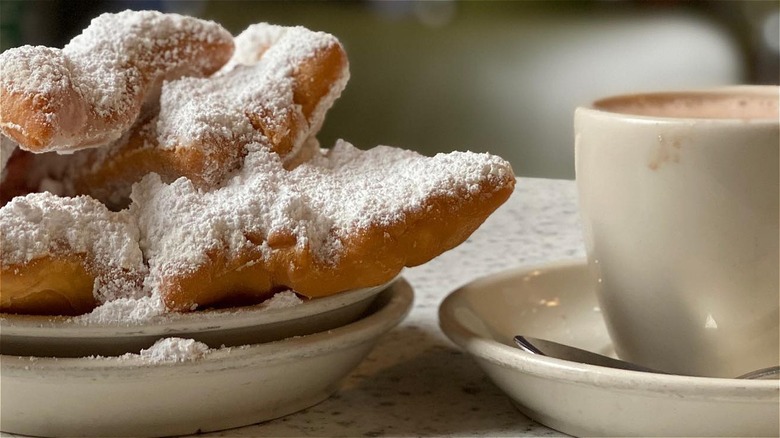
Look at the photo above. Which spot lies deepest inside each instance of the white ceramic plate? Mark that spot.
(555, 302)
(226, 388)
(57, 336)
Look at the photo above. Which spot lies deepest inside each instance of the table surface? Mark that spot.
(416, 382)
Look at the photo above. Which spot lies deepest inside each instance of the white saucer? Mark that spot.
(225, 388)
(555, 302)
(59, 336)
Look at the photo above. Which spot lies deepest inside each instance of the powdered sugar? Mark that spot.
(257, 87)
(95, 86)
(171, 350)
(36, 70)
(150, 309)
(334, 195)
(283, 300)
(215, 118)
(127, 311)
(172, 228)
(38, 223)
(251, 44)
(212, 114)
(42, 224)
(153, 46)
(320, 202)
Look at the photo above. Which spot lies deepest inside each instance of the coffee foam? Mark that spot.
(697, 105)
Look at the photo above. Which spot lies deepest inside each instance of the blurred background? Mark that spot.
(496, 76)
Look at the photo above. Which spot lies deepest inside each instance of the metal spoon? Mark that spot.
(544, 347)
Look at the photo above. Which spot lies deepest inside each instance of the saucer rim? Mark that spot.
(593, 375)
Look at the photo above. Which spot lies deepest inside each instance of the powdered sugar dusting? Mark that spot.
(251, 44)
(320, 202)
(235, 119)
(259, 81)
(42, 224)
(212, 114)
(217, 116)
(98, 82)
(151, 309)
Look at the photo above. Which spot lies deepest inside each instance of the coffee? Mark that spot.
(724, 105)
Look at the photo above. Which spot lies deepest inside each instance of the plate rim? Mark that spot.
(399, 302)
(58, 326)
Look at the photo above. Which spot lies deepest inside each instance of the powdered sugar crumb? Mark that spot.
(283, 300)
(147, 309)
(171, 350)
(127, 311)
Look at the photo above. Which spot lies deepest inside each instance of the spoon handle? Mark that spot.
(544, 347)
(560, 351)
(763, 374)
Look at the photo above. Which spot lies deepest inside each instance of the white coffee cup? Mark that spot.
(679, 196)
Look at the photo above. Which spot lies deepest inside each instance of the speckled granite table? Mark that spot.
(416, 382)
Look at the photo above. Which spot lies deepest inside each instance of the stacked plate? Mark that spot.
(185, 373)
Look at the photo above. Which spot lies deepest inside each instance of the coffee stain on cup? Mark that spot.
(668, 151)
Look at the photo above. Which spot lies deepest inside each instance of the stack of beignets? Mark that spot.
(197, 179)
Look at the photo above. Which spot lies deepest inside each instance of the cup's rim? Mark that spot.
(606, 105)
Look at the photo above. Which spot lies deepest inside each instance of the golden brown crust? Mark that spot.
(229, 132)
(369, 258)
(91, 91)
(49, 285)
(316, 80)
